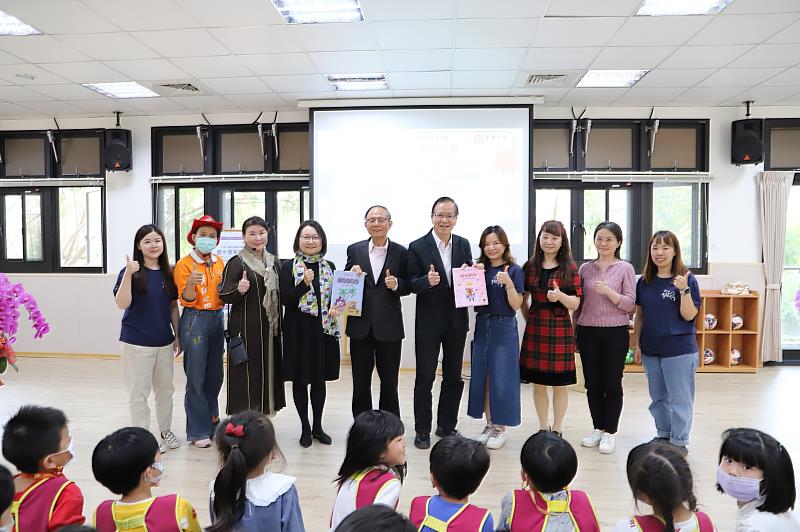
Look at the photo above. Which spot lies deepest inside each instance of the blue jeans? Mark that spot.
(203, 342)
(670, 381)
(495, 362)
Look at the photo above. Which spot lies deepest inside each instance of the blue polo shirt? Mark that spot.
(665, 332)
(496, 292)
(146, 321)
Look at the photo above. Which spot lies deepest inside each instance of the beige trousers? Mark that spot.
(149, 369)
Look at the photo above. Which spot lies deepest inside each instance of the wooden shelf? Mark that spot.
(724, 338)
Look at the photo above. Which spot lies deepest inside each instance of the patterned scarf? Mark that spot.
(265, 267)
(308, 303)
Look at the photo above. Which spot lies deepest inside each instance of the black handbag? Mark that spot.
(237, 353)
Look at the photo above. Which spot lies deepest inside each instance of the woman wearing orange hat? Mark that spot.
(201, 330)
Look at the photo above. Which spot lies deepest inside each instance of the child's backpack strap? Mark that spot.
(705, 522)
(163, 514)
(419, 509)
(648, 523)
(369, 485)
(104, 517)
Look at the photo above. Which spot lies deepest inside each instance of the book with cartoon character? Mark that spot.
(348, 292)
(469, 285)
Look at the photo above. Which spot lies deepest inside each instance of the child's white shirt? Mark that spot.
(750, 519)
(345, 503)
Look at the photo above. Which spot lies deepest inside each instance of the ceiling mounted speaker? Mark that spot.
(747, 141)
(118, 153)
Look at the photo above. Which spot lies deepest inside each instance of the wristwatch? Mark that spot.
(686, 291)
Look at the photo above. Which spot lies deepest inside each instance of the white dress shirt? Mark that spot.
(446, 253)
(377, 258)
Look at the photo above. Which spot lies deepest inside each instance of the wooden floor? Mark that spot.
(91, 393)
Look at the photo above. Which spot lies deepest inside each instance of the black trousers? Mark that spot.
(365, 355)
(427, 356)
(603, 351)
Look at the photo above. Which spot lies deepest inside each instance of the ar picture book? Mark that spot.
(348, 292)
(469, 285)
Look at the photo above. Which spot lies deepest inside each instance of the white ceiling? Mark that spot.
(244, 58)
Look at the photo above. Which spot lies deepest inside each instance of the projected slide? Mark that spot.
(406, 158)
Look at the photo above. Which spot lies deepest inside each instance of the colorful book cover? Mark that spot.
(348, 292)
(469, 285)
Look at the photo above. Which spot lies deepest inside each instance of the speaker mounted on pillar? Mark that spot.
(117, 153)
(747, 140)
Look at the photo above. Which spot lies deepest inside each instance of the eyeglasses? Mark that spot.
(373, 221)
(310, 238)
(444, 216)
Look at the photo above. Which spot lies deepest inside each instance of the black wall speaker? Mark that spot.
(747, 141)
(117, 155)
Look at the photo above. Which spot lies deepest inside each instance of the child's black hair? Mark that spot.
(758, 449)
(32, 434)
(77, 528)
(7, 489)
(244, 442)
(549, 461)
(367, 439)
(120, 458)
(459, 465)
(375, 517)
(660, 471)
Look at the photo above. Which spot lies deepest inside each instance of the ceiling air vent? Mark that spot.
(545, 80)
(185, 88)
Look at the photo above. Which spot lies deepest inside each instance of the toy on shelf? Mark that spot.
(710, 322)
(736, 357)
(736, 288)
(629, 356)
(708, 356)
(737, 322)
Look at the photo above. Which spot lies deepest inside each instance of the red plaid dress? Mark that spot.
(548, 346)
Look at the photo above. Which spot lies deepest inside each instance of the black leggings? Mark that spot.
(603, 351)
(300, 394)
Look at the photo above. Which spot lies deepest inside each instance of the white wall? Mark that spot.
(83, 316)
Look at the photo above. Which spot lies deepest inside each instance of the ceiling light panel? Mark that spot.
(660, 8)
(611, 78)
(125, 89)
(319, 11)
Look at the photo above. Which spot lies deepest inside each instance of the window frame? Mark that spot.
(216, 142)
(275, 158)
(157, 148)
(769, 125)
(553, 124)
(47, 153)
(581, 155)
(701, 144)
(792, 356)
(80, 133)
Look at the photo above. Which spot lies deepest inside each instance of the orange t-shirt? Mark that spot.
(207, 291)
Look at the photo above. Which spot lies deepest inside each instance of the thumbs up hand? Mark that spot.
(131, 266)
(244, 284)
(554, 293)
(390, 280)
(504, 279)
(308, 275)
(196, 277)
(433, 277)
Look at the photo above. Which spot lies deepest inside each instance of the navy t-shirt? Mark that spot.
(498, 300)
(146, 321)
(665, 332)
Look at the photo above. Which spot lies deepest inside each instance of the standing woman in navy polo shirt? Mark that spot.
(494, 384)
(664, 337)
(146, 291)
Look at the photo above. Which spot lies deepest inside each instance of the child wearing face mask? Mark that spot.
(37, 441)
(756, 470)
(128, 463)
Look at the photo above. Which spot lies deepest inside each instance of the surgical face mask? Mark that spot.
(205, 244)
(71, 450)
(158, 466)
(740, 488)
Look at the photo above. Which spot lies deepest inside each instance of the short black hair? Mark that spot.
(444, 199)
(758, 449)
(32, 434)
(388, 214)
(459, 465)
(7, 489)
(120, 458)
(318, 228)
(256, 220)
(375, 517)
(549, 461)
(77, 528)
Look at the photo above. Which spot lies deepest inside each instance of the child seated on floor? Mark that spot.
(37, 441)
(128, 463)
(458, 466)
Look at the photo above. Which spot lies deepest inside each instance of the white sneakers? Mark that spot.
(604, 441)
(497, 439)
(484, 436)
(593, 439)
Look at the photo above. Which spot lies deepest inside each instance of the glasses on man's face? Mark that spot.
(444, 216)
(310, 238)
(374, 221)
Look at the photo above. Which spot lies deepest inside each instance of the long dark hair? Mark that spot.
(367, 439)
(566, 266)
(139, 279)
(659, 471)
(758, 449)
(614, 229)
(668, 238)
(502, 237)
(239, 456)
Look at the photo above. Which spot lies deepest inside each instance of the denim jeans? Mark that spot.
(495, 362)
(671, 382)
(202, 340)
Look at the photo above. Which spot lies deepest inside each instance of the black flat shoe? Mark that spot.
(422, 441)
(441, 433)
(321, 437)
(305, 440)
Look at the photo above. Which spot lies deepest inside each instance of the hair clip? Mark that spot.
(236, 431)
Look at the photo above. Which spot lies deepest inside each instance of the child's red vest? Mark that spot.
(647, 523)
(527, 515)
(469, 518)
(369, 484)
(160, 516)
(33, 510)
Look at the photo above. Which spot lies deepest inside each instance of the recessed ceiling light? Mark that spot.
(11, 25)
(659, 8)
(358, 82)
(611, 78)
(125, 89)
(319, 11)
